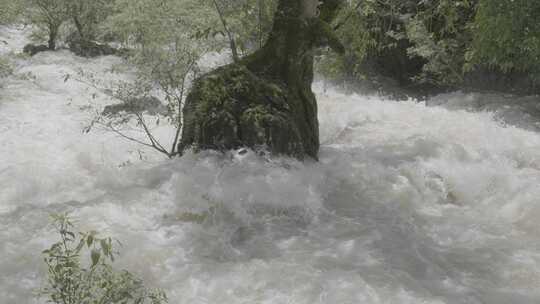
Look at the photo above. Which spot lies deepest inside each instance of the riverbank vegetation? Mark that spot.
(438, 44)
(414, 45)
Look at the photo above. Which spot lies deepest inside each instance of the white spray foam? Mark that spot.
(408, 204)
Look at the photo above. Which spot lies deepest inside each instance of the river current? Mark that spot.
(412, 202)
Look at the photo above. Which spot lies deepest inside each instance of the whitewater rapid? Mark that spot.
(411, 202)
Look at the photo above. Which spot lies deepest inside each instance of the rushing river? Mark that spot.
(435, 202)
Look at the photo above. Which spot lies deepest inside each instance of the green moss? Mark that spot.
(266, 98)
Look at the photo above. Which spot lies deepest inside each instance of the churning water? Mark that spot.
(410, 203)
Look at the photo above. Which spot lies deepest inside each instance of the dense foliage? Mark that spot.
(507, 35)
(87, 16)
(413, 41)
(10, 10)
(437, 42)
(423, 41)
(47, 16)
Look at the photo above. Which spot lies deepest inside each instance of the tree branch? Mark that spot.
(121, 134)
(229, 34)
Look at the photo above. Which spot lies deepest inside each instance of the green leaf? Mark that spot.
(105, 247)
(95, 256)
(90, 240)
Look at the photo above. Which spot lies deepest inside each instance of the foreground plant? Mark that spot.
(71, 282)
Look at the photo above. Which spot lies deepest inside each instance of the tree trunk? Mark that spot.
(53, 33)
(265, 100)
(79, 27)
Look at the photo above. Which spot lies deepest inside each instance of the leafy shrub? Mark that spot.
(87, 16)
(166, 43)
(427, 38)
(72, 282)
(10, 10)
(507, 35)
(47, 16)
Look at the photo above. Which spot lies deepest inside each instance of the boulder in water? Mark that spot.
(90, 49)
(147, 104)
(32, 49)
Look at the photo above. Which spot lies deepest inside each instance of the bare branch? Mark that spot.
(120, 133)
(229, 34)
(181, 97)
(155, 143)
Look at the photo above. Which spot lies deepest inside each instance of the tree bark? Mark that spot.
(79, 27)
(53, 33)
(265, 99)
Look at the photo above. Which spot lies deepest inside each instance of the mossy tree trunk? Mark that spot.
(265, 99)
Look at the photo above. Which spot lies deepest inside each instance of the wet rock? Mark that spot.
(495, 80)
(32, 49)
(147, 104)
(90, 49)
